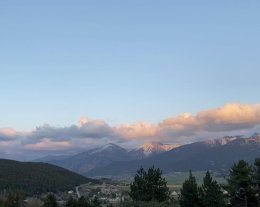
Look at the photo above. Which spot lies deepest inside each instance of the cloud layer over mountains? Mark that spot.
(230, 118)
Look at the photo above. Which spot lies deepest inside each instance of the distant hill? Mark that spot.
(51, 158)
(218, 154)
(105, 155)
(36, 178)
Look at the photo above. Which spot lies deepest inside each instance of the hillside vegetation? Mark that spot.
(37, 177)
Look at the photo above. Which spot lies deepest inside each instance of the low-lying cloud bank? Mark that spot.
(185, 128)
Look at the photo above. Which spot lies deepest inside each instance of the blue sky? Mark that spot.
(125, 61)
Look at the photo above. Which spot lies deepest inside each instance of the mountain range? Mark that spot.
(102, 156)
(217, 154)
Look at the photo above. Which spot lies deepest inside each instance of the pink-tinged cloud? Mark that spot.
(234, 114)
(138, 130)
(229, 117)
(7, 132)
(49, 145)
(226, 120)
(83, 120)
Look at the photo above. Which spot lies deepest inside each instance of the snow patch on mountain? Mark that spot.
(107, 147)
(222, 141)
(241, 140)
(156, 147)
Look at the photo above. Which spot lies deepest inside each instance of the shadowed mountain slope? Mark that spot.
(217, 154)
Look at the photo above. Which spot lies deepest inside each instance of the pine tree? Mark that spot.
(14, 199)
(96, 202)
(210, 193)
(149, 186)
(50, 201)
(240, 183)
(71, 202)
(189, 193)
(257, 178)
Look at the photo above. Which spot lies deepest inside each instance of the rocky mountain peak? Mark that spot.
(222, 141)
(156, 147)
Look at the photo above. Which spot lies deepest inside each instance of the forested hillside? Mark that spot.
(37, 177)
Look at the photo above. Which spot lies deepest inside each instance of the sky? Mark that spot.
(126, 68)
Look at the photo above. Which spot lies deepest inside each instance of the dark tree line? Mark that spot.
(83, 202)
(50, 201)
(209, 194)
(242, 188)
(13, 199)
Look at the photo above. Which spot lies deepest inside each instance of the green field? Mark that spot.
(177, 178)
(174, 181)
